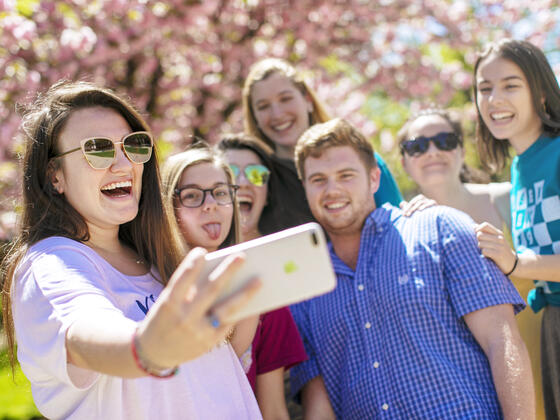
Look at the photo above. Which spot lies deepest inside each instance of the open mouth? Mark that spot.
(117, 189)
(245, 204)
(500, 116)
(283, 126)
(336, 205)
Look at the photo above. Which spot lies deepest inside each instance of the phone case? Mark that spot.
(293, 265)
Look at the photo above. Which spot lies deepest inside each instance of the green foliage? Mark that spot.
(442, 54)
(27, 7)
(16, 401)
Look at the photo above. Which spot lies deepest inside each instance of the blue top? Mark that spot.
(388, 191)
(390, 341)
(535, 210)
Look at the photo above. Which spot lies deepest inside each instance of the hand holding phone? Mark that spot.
(293, 265)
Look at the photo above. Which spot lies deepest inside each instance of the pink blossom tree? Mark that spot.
(184, 61)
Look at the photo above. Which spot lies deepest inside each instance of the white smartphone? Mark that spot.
(293, 265)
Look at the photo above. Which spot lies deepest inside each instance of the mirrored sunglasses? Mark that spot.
(256, 174)
(101, 152)
(194, 197)
(419, 145)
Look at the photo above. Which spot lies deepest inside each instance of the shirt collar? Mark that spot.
(376, 223)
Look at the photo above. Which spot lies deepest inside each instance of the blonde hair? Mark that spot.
(261, 71)
(197, 153)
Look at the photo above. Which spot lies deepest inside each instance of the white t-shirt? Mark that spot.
(60, 280)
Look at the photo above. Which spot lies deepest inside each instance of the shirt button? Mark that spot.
(380, 229)
(376, 365)
(385, 406)
(368, 325)
(360, 287)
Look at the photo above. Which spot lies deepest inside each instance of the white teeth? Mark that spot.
(501, 115)
(281, 127)
(335, 205)
(244, 199)
(117, 185)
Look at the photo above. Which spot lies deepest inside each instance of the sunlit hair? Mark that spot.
(195, 154)
(542, 86)
(336, 132)
(467, 173)
(46, 213)
(261, 71)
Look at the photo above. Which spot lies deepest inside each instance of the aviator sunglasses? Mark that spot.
(256, 174)
(101, 152)
(419, 145)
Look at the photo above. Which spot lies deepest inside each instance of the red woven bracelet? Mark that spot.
(144, 367)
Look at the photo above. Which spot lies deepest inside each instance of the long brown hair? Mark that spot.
(545, 97)
(197, 153)
(261, 71)
(46, 213)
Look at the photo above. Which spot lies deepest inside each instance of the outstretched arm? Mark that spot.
(176, 329)
(496, 331)
(495, 246)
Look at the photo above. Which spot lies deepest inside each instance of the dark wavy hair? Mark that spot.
(47, 213)
(545, 97)
(467, 173)
(286, 205)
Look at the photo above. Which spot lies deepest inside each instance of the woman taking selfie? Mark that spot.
(96, 251)
(518, 103)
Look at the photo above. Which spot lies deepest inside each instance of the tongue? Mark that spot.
(213, 230)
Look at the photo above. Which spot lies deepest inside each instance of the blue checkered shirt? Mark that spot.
(390, 341)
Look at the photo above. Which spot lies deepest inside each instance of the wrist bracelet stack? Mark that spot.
(145, 366)
(514, 264)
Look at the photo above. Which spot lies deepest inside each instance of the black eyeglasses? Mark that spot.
(194, 197)
(419, 145)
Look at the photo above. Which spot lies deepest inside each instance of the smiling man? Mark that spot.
(420, 325)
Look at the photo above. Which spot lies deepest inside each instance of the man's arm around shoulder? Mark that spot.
(315, 401)
(496, 331)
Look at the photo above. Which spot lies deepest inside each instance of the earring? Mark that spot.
(544, 110)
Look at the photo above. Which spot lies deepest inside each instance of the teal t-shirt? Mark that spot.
(535, 210)
(388, 191)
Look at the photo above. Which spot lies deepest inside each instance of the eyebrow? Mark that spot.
(505, 79)
(283, 92)
(216, 184)
(348, 169)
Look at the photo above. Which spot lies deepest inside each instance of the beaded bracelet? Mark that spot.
(514, 264)
(144, 367)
